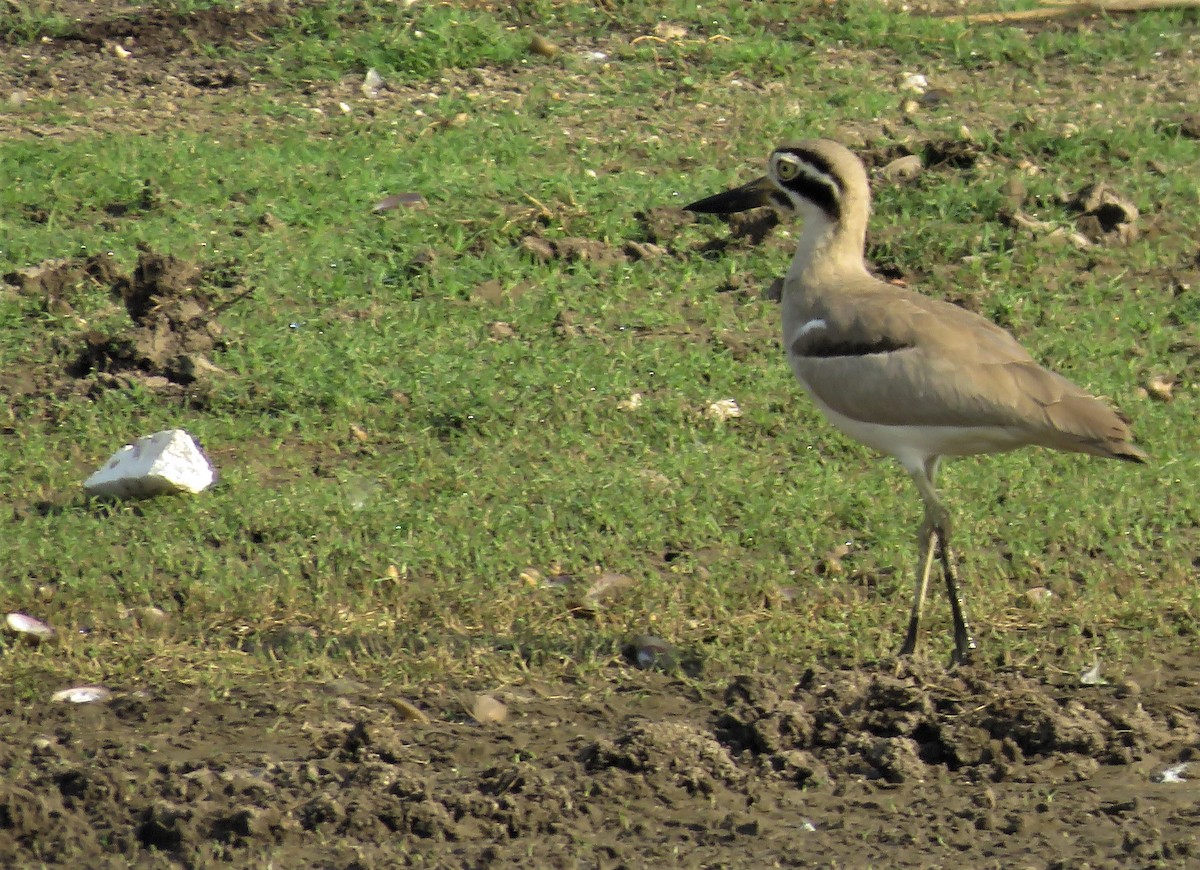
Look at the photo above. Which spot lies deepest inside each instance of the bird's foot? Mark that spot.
(964, 652)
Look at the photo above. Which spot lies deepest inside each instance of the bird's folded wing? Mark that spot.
(913, 361)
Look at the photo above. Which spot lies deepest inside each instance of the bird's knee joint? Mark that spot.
(937, 519)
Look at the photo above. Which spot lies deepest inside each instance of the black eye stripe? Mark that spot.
(817, 162)
(820, 193)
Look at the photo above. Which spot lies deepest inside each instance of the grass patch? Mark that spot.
(392, 459)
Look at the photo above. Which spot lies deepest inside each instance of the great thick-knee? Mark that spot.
(908, 375)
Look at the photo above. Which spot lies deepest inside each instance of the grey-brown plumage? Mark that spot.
(941, 365)
(905, 374)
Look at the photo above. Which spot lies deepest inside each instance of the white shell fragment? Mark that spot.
(1172, 774)
(29, 626)
(1091, 677)
(723, 409)
(82, 694)
(164, 462)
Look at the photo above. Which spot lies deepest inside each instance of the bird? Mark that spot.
(906, 374)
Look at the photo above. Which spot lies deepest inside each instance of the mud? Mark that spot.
(887, 766)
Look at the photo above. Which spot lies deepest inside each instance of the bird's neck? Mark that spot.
(828, 250)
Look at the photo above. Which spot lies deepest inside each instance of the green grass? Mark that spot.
(398, 557)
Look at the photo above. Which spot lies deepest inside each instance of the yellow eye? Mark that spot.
(786, 170)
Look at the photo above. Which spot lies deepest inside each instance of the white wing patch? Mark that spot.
(811, 326)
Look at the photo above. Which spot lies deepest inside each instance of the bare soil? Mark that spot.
(906, 765)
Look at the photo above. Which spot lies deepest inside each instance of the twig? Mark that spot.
(545, 212)
(237, 297)
(1061, 9)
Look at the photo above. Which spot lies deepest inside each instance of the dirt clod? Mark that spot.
(684, 756)
(577, 250)
(903, 168)
(661, 224)
(1106, 216)
(171, 329)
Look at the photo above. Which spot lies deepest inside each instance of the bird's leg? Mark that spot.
(964, 643)
(933, 539)
(937, 525)
(925, 549)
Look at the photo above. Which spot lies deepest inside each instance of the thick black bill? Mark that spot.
(754, 194)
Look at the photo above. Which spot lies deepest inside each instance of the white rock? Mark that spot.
(1172, 774)
(372, 84)
(164, 462)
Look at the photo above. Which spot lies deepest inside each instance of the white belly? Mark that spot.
(914, 445)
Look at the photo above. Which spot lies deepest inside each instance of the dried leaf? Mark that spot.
(608, 586)
(412, 200)
(499, 330)
(538, 44)
(489, 291)
(32, 628)
(408, 711)
(667, 30)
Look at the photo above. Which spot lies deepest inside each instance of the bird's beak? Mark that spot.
(753, 194)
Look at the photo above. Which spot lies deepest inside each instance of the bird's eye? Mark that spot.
(787, 170)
